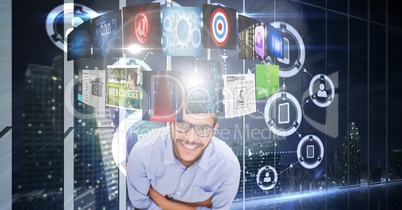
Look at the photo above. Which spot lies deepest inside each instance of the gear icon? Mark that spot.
(183, 31)
(196, 38)
(168, 22)
(194, 17)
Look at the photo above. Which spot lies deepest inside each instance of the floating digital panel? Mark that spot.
(275, 43)
(251, 39)
(107, 35)
(142, 27)
(259, 41)
(181, 31)
(239, 94)
(79, 42)
(165, 91)
(267, 80)
(123, 87)
(219, 25)
(204, 86)
(93, 87)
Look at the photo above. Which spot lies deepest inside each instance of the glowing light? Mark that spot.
(76, 21)
(193, 80)
(134, 48)
(277, 45)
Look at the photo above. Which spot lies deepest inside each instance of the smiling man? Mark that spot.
(183, 166)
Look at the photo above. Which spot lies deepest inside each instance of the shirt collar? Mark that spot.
(203, 162)
(169, 156)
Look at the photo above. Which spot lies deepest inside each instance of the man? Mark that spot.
(183, 166)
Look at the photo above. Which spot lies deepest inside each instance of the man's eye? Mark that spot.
(203, 128)
(182, 125)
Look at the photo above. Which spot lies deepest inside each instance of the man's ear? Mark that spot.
(216, 127)
(170, 124)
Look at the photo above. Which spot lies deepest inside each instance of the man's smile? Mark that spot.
(188, 145)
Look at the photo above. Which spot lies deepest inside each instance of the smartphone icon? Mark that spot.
(310, 151)
(286, 52)
(283, 113)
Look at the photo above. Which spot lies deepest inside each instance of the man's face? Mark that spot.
(188, 147)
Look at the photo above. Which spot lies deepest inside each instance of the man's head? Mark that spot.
(192, 136)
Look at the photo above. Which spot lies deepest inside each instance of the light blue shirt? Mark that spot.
(152, 162)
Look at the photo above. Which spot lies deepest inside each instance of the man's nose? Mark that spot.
(191, 135)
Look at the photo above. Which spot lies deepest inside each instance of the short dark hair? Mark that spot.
(215, 116)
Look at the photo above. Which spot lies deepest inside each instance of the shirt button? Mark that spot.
(178, 193)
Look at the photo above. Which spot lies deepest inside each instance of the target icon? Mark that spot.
(220, 27)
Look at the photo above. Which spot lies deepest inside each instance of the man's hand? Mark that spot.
(170, 204)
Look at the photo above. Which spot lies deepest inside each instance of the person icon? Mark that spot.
(322, 93)
(267, 177)
(240, 99)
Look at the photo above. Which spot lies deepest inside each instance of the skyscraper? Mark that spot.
(395, 162)
(40, 158)
(351, 156)
(95, 173)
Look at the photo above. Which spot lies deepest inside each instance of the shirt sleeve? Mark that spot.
(223, 197)
(138, 183)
